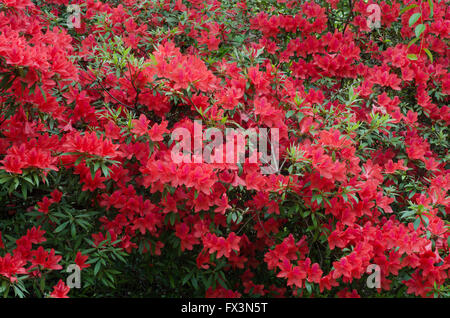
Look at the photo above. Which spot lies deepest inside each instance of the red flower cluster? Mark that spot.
(86, 115)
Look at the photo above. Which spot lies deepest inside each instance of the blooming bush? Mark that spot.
(91, 91)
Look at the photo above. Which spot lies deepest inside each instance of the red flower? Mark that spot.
(44, 205)
(11, 266)
(294, 274)
(46, 259)
(157, 131)
(12, 164)
(90, 143)
(56, 196)
(140, 126)
(60, 290)
(222, 246)
(80, 260)
(222, 204)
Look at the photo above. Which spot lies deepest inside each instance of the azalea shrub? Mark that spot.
(92, 91)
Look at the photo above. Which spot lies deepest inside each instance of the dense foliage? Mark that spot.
(88, 102)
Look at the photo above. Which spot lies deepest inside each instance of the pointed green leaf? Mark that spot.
(61, 227)
(413, 18)
(430, 3)
(416, 224)
(430, 56)
(408, 8)
(419, 29)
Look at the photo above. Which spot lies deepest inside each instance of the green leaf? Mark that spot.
(92, 173)
(5, 179)
(308, 287)
(412, 57)
(406, 214)
(290, 113)
(194, 282)
(43, 93)
(426, 221)
(96, 268)
(413, 19)
(412, 42)
(24, 191)
(430, 3)
(430, 56)
(96, 166)
(73, 230)
(78, 161)
(105, 170)
(61, 227)
(419, 29)
(319, 199)
(408, 8)
(172, 219)
(416, 224)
